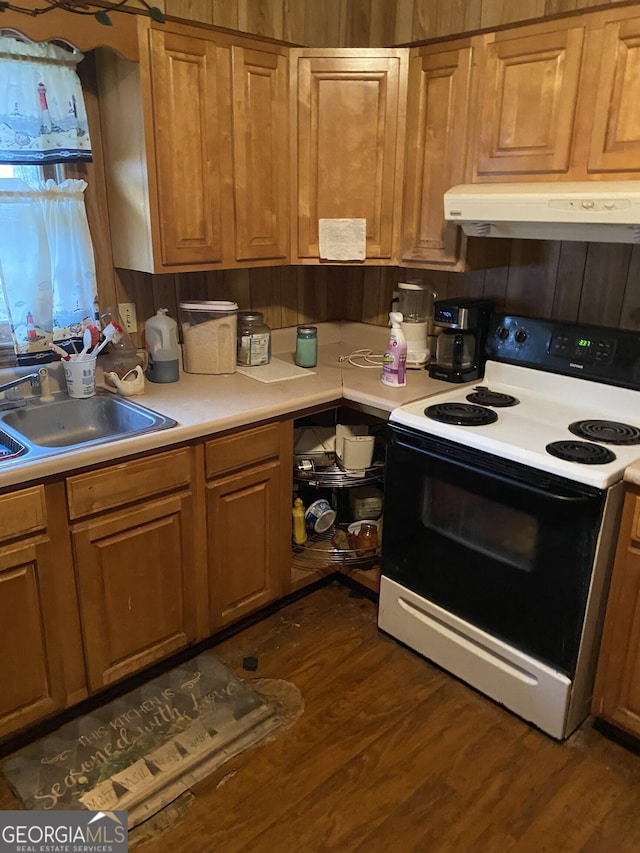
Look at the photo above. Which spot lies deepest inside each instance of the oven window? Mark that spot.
(488, 526)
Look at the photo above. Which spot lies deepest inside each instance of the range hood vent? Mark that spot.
(592, 211)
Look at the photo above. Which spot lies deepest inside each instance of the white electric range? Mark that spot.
(502, 502)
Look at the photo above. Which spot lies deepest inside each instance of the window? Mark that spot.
(47, 268)
(31, 175)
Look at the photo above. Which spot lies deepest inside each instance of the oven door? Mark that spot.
(501, 545)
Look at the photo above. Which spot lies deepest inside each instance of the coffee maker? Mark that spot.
(460, 348)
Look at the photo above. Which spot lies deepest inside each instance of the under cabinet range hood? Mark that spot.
(590, 211)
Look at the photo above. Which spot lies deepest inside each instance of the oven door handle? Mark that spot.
(574, 497)
(549, 494)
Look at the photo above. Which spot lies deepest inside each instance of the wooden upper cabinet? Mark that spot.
(260, 154)
(528, 99)
(196, 150)
(161, 140)
(614, 125)
(437, 128)
(558, 101)
(348, 138)
(186, 136)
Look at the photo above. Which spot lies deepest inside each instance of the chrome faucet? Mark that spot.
(38, 380)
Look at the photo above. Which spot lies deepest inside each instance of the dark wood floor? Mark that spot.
(391, 754)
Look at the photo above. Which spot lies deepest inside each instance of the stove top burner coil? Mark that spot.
(460, 414)
(484, 396)
(581, 451)
(608, 432)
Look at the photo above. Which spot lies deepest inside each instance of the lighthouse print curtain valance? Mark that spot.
(47, 266)
(42, 112)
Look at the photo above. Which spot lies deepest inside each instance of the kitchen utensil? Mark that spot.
(64, 355)
(90, 338)
(112, 332)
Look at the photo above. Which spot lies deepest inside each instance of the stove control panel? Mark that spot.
(593, 352)
(582, 346)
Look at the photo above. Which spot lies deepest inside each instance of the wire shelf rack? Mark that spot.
(334, 477)
(321, 551)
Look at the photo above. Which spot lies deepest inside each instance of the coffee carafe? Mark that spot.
(460, 348)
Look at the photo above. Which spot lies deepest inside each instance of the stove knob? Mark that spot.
(521, 336)
(502, 332)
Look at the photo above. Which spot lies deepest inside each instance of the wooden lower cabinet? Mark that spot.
(137, 565)
(248, 499)
(41, 667)
(106, 572)
(617, 689)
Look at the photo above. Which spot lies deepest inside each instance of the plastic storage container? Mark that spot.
(161, 333)
(254, 339)
(307, 346)
(209, 333)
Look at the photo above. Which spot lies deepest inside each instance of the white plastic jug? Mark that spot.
(161, 333)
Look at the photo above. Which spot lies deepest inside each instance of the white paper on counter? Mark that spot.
(342, 239)
(275, 371)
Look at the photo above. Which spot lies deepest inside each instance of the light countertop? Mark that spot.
(205, 405)
(632, 474)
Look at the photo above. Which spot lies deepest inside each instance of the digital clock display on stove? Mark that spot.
(583, 349)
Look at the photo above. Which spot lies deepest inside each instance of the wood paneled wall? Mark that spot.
(366, 23)
(593, 283)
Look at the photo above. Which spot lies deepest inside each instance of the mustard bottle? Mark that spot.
(299, 528)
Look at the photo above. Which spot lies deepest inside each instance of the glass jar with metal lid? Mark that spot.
(307, 346)
(254, 339)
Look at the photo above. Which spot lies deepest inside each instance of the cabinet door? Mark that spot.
(41, 668)
(245, 534)
(260, 154)
(350, 132)
(187, 143)
(617, 689)
(615, 122)
(439, 84)
(134, 579)
(31, 684)
(529, 84)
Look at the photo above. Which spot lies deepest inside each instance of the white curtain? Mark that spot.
(47, 266)
(42, 111)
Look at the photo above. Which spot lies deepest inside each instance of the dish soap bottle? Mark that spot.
(394, 361)
(161, 333)
(299, 527)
